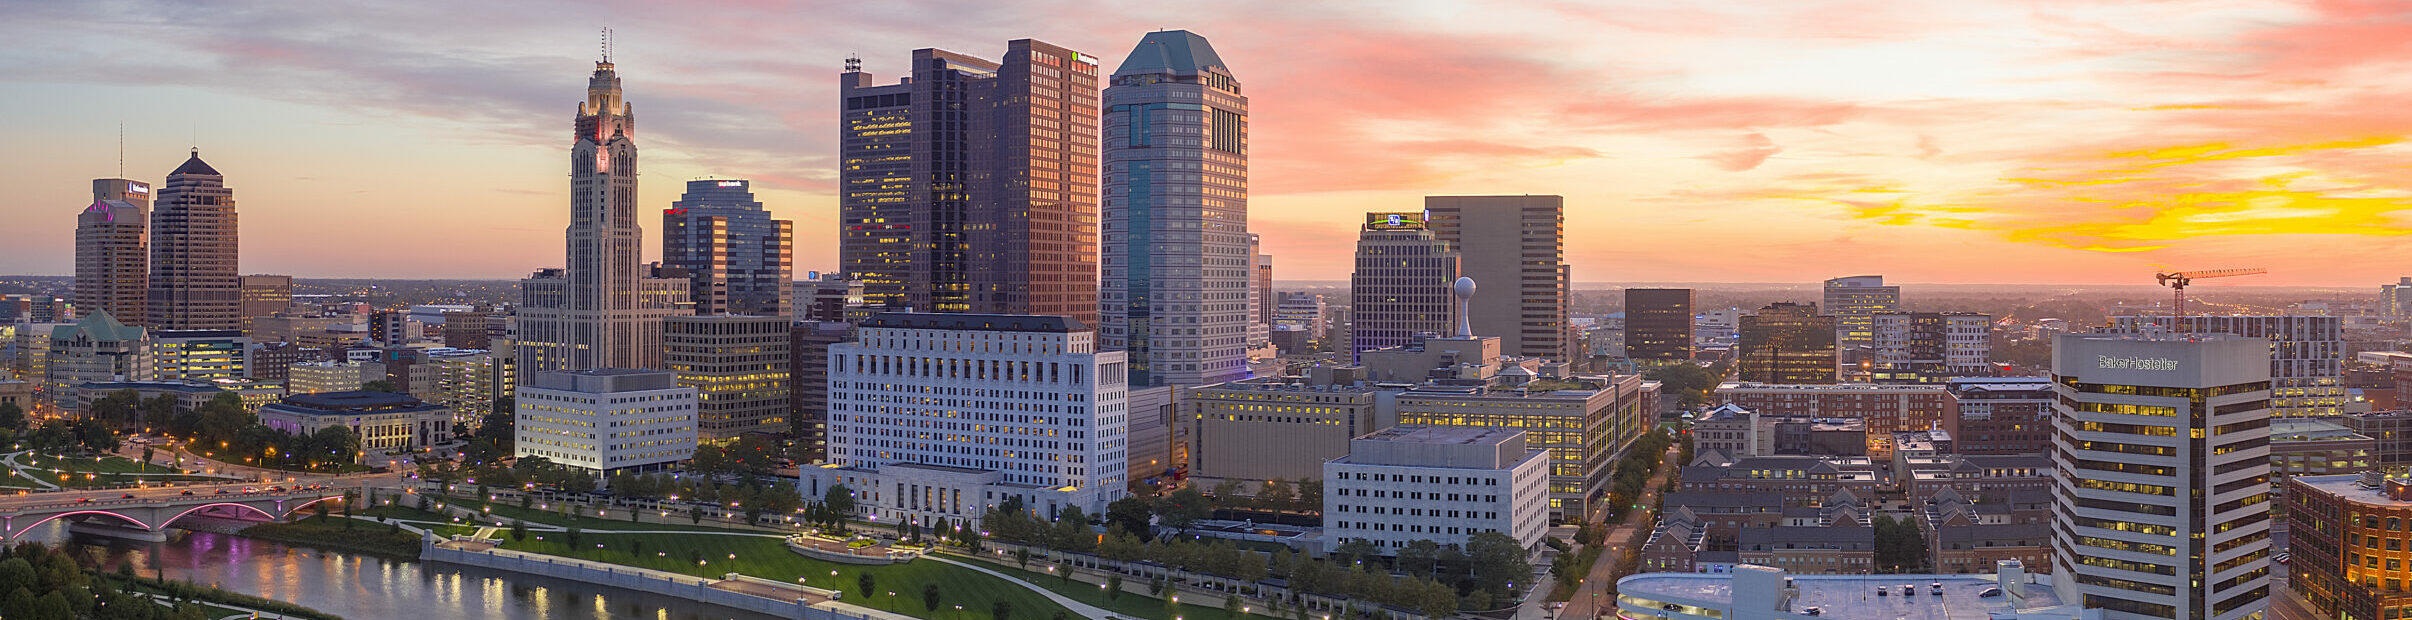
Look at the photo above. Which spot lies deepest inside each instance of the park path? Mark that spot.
(19, 468)
(1084, 609)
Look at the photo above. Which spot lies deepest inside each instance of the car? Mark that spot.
(1938, 586)
(2283, 557)
(1880, 591)
(1989, 593)
(282, 489)
(251, 489)
(188, 492)
(126, 496)
(1671, 607)
(223, 491)
(1909, 590)
(1814, 611)
(86, 500)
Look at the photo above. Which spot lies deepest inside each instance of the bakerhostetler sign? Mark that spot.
(2108, 362)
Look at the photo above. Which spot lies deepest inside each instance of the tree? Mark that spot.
(839, 504)
(1275, 496)
(1132, 513)
(1071, 531)
(1353, 551)
(519, 530)
(1114, 587)
(1021, 555)
(1497, 561)
(1183, 507)
(12, 417)
(929, 596)
(1310, 494)
(1419, 557)
(1002, 610)
(866, 582)
(694, 514)
(1231, 606)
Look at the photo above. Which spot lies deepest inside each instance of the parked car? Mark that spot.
(1989, 593)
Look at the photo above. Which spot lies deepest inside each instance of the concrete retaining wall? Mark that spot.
(845, 558)
(644, 580)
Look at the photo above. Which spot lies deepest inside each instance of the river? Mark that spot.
(365, 587)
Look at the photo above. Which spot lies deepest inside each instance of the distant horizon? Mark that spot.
(1693, 142)
(1580, 285)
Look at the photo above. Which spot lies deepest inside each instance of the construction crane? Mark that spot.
(2177, 281)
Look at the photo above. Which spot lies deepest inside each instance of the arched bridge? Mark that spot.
(151, 509)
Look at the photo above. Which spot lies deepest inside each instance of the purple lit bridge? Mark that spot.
(152, 509)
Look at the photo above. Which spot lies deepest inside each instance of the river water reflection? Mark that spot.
(363, 587)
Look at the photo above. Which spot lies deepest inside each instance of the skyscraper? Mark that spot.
(2307, 355)
(738, 259)
(972, 185)
(2162, 509)
(1401, 286)
(265, 295)
(195, 282)
(1178, 260)
(1515, 247)
(1658, 325)
(1854, 302)
(112, 250)
(602, 311)
(738, 366)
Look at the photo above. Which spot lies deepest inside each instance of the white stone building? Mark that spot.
(1027, 397)
(606, 419)
(1438, 483)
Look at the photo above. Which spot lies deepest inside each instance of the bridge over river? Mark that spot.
(152, 509)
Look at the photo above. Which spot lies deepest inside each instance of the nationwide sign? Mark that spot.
(2135, 363)
(1410, 221)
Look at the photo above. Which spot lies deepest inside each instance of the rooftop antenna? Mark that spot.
(854, 62)
(121, 149)
(606, 45)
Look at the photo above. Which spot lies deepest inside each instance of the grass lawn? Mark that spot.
(770, 559)
(340, 534)
(1134, 604)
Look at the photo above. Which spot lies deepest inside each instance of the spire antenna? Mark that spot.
(607, 45)
(121, 149)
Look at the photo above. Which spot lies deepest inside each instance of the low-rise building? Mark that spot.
(608, 420)
(331, 376)
(1980, 477)
(97, 349)
(1811, 549)
(2347, 543)
(1887, 409)
(1442, 484)
(2314, 447)
(1798, 480)
(1275, 428)
(1966, 536)
(1757, 592)
(384, 422)
(2392, 432)
(200, 354)
(2000, 415)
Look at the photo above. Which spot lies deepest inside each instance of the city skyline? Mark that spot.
(1981, 145)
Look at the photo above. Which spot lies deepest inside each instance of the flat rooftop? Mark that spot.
(1462, 435)
(2349, 488)
(2296, 429)
(1853, 597)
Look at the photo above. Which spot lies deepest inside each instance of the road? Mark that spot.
(171, 494)
(1591, 597)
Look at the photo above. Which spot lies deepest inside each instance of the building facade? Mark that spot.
(1441, 484)
(808, 384)
(1787, 343)
(972, 185)
(2163, 510)
(1029, 397)
(1274, 428)
(2006, 415)
(2307, 355)
(384, 422)
(195, 280)
(200, 355)
(113, 252)
(2345, 534)
(607, 420)
(1515, 246)
(1178, 274)
(331, 376)
(97, 349)
(1929, 347)
(602, 311)
(738, 366)
(1401, 284)
(264, 296)
(1886, 409)
(738, 260)
(1853, 301)
(1658, 325)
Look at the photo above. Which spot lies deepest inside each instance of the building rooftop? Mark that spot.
(339, 403)
(1178, 52)
(980, 322)
(2300, 429)
(195, 166)
(2350, 487)
(1830, 387)
(1853, 597)
(1464, 435)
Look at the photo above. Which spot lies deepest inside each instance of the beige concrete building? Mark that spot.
(738, 367)
(1275, 428)
(1515, 248)
(264, 296)
(328, 376)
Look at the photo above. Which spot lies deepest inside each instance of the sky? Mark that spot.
(2043, 141)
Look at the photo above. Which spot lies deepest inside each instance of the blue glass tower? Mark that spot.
(1177, 267)
(739, 260)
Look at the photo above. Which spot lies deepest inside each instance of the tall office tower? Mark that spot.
(1401, 286)
(738, 366)
(1787, 343)
(738, 259)
(602, 311)
(1658, 325)
(2395, 300)
(2162, 508)
(1515, 247)
(1854, 302)
(112, 250)
(194, 282)
(971, 186)
(1261, 301)
(1177, 292)
(2307, 355)
(393, 328)
(957, 391)
(264, 296)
